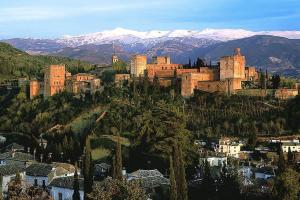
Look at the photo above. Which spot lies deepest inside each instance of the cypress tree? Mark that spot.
(290, 156)
(176, 165)
(88, 182)
(281, 161)
(183, 184)
(76, 194)
(173, 187)
(117, 162)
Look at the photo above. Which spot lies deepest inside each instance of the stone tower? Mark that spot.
(54, 79)
(138, 65)
(233, 66)
(34, 88)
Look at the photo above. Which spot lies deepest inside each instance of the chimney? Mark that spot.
(124, 172)
(238, 51)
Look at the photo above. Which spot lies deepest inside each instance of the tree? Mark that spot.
(290, 156)
(113, 189)
(207, 185)
(76, 194)
(183, 193)
(88, 182)
(275, 80)
(229, 187)
(252, 140)
(281, 161)
(287, 186)
(262, 80)
(119, 66)
(117, 161)
(173, 187)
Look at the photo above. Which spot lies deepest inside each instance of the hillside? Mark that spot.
(16, 63)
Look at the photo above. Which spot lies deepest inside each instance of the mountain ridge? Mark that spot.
(279, 54)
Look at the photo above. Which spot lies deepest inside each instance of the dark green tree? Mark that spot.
(287, 185)
(275, 81)
(290, 157)
(207, 185)
(76, 194)
(252, 140)
(117, 161)
(173, 186)
(183, 192)
(88, 179)
(281, 161)
(229, 187)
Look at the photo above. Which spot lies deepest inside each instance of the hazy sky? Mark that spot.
(54, 18)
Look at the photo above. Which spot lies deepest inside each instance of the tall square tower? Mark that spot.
(232, 66)
(138, 65)
(54, 79)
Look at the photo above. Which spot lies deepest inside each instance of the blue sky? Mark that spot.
(54, 18)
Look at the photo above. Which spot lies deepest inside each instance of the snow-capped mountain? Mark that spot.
(263, 49)
(125, 36)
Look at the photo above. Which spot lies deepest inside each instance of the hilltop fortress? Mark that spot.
(227, 77)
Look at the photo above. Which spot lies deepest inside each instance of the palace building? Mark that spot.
(57, 79)
(227, 77)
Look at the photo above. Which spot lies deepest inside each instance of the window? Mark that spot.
(35, 182)
(60, 196)
(44, 183)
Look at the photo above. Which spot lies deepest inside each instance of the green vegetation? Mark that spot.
(111, 189)
(120, 66)
(15, 63)
(152, 122)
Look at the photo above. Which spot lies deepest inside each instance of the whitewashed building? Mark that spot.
(294, 147)
(62, 188)
(41, 174)
(8, 173)
(229, 148)
(215, 161)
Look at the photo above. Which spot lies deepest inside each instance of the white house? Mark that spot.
(41, 174)
(229, 148)
(37, 174)
(293, 146)
(215, 161)
(8, 173)
(62, 188)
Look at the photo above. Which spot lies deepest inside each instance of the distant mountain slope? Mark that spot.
(16, 63)
(35, 46)
(277, 54)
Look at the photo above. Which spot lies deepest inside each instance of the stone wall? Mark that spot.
(189, 82)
